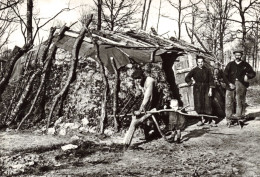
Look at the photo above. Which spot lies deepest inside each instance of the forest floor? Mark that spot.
(204, 151)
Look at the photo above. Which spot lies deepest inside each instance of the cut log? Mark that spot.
(134, 123)
(43, 75)
(115, 99)
(11, 103)
(103, 117)
(23, 97)
(253, 111)
(72, 72)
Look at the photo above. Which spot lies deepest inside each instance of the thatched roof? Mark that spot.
(128, 47)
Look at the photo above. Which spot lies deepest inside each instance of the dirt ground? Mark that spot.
(204, 151)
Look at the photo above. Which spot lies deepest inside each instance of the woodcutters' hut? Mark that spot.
(177, 57)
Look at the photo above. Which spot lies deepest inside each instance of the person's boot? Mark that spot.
(171, 136)
(200, 123)
(178, 141)
(213, 123)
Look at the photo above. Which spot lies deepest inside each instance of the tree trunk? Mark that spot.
(256, 46)
(244, 37)
(29, 26)
(221, 31)
(116, 91)
(73, 67)
(112, 16)
(179, 20)
(147, 14)
(159, 15)
(99, 14)
(143, 15)
(243, 25)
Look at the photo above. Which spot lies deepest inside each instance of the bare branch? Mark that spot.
(8, 5)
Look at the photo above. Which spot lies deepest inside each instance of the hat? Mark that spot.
(238, 51)
(137, 74)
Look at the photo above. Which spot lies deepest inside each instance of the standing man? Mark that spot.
(202, 90)
(236, 76)
(150, 100)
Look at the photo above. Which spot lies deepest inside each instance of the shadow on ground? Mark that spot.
(196, 133)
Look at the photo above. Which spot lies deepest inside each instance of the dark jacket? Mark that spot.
(235, 71)
(203, 81)
(201, 76)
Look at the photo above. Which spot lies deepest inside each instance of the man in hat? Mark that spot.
(236, 76)
(150, 100)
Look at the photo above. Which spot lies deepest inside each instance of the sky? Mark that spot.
(48, 8)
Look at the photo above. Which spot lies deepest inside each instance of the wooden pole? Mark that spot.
(73, 67)
(103, 117)
(43, 76)
(134, 123)
(116, 91)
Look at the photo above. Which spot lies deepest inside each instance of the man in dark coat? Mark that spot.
(203, 85)
(236, 76)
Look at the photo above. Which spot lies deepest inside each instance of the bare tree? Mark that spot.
(212, 28)
(31, 26)
(99, 7)
(143, 14)
(118, 13)
(6, 4)
(7, 19)
(147, 15)
(223, 9)
(159, 15)
(180, 7)
(243, 11)
(193, 21)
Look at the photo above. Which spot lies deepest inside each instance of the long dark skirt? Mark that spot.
(202, 102)
(218, 102)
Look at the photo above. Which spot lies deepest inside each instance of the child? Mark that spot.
(176, 121)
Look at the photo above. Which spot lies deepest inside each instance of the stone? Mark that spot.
(51, 131)
(76, 125)
(57, 122)
(109, 132)
(75, 137)
(68, 147)
(68, 125)
(18, 166)
(85, 122)
(84, 129)
(62, 131)
(92, 130)
(31, 163)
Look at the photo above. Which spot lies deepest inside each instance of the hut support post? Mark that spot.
(116, 90)
(103, 117)
(43, 72)
(73, 67)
